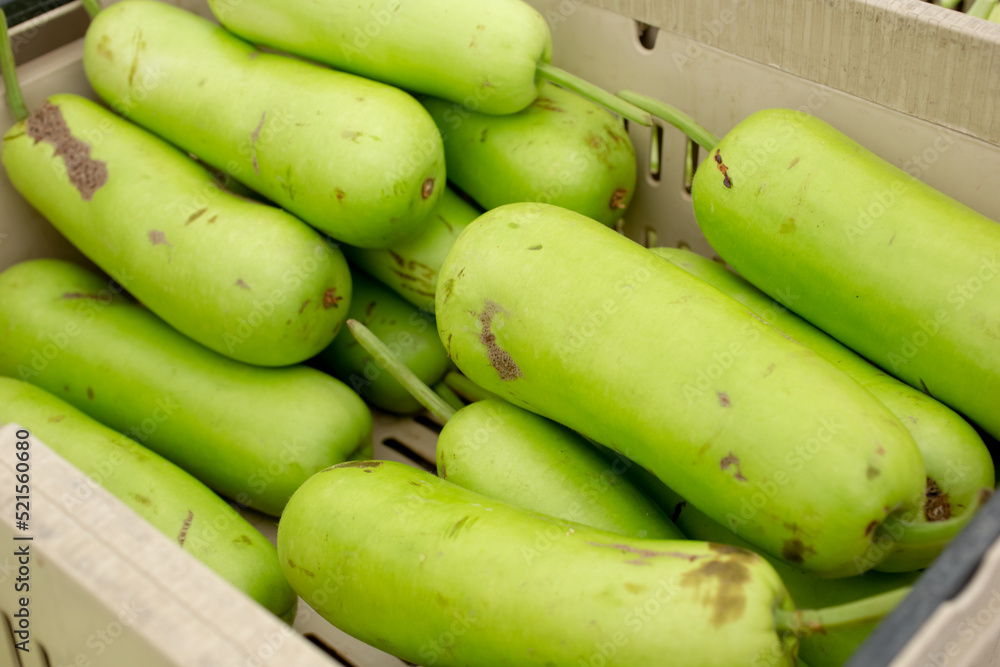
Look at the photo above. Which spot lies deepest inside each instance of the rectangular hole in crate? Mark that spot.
(410, 453)
(428, 423)
(329, 650)
(690, 164)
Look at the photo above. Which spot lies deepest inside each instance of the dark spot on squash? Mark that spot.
(369, 309)
(245, 539)
(730, 460)
(870, 527)
(330, 298)
(90, 393)
(184, 528)
(535, 247)
(141, 499)
(57, 419)
(194, 216)
(872, 472)
(649, 553)
(340, 193)
(548, 105)
(794, 551)
(86, 174)
(464, 522)
(726, 180)
(723, 399)
(499, 358)
(482, 135)
(241, 283)
(725, 580)
(617, 202)
(213, 219)
(937, 507)
(253, 144)
(81, 295)
(788, 227)
(427, 189)
(301, 569)
(794, 162)
(156, 237)
(366, 465)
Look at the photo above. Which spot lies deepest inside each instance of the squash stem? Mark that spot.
(448, 395)
(397, 369)
(674, 116)
(9, 69)
(466, 388)
(93, 7)
(805, 622)
(621, 107)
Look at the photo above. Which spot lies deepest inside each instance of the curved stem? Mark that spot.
(672, 115)
(466, 388)
(93, 7)
(397, 369)
(982, 8)
(448, 395)
(9, 69)
(591, 92)
(804, 622)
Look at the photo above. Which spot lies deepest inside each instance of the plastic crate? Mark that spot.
(917, 84)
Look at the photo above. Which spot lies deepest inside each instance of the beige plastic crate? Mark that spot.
(917, 84)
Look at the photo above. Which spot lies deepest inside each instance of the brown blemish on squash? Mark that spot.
(723, 399)
(240, 283)
(794, 551)
(618, 199)
(86, 174)
(649, 553)
(57, 419)
(427, 189)
(253, 144)
(547, 104)
(141, 499)
(730, 550)
(90, 393)
(213, 219)
(366, 465)
(398, 258)
(301, 569)
(730, 460)
(499, 358)
(104, 50)
(194, 216)
(184, 528)
(330, 298)
(727, 578)
(937, 507)
(535, 247)
(788, 227)
(245, 539)
(303, 306)
(157, 237)
(870, 527)
(482, 135)
(872, 472)
(340, 194)
(81, 295)
(794, 162)
(464, 522)
(726, 180)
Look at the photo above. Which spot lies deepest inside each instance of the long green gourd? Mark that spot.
(562, 150)
(410, 334)
(489, 55)
(562, 316)
(247, 280)
(886, 264)
(411, 268)
(357, 159)
(174, 502)
(959, 466)
(831, 647)
(481, 444)
(437, 574)
(249, 433)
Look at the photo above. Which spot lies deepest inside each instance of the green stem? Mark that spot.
(674, 116)
(467, 389)
(805, 622)
(397, 369)
(590, 91)
(948, 4)
(9, 69)
(654, 151)
(448, 395)
(93, 7)
(982, 8)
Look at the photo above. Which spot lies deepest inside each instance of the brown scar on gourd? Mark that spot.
(366, 465)
(730, 460)
(427, 189)
(724, 399)
(618, 199)
(729, 577)
(301, 569)
(194, 216)
(157, 237)
(240, 283)
(303, 306)
(726, 180)
(184, 528)
(330, 298)
(86, 174)
(937, 506)
(794, 551)
(547, 104)
(499, 358)
(650, 553)
(253, 144)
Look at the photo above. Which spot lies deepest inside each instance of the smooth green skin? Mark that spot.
(436, 574)
(954, 455)
(509, 454)
(349, 156)
(252, 434)
(887, 265)
(409, 334)
(245, 279)
(482, 55)
(562, 149)
(411, 268)
(157, 490)
(833, 646)
(613, 342)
